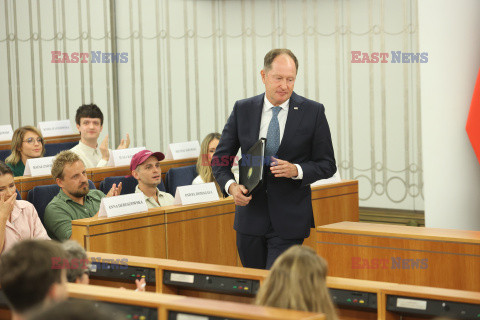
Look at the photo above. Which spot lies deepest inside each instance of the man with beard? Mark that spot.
(74, 200)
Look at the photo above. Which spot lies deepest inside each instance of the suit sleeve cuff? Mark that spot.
(300, 172)
(227, 185)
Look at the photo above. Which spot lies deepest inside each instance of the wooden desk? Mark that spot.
(199, 233)
(333, 203)
(7, 144)
(167, 304)
(380, 290)
(410, 255)
(97, 175)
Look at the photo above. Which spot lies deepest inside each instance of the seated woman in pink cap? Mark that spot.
(18, 219)
(145, 167)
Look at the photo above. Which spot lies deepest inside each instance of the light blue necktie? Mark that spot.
(273, 134)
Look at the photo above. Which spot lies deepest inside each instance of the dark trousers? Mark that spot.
(260, 252)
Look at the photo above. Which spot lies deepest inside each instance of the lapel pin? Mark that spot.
(295, 108)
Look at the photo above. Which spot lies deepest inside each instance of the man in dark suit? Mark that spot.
(299, 149)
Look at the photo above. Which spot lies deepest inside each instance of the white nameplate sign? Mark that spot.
(333, 179)
(122, 205)
(6, 132)
(183, 150)
(55, 128)
(196, 193)
(38, 166)
(122, 157)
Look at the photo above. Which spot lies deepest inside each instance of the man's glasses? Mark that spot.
(32, 140)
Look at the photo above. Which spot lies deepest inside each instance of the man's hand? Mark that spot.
(115, 191)
(104, 149)
(124, 143)
(6, 206)
(238, 192)
(282, 168)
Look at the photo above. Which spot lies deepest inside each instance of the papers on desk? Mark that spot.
(6, 132)
(55, 128)
(122, 157)
(123, 205)
(38, 166)
(183, 150)
(334, 179)
(196, 193)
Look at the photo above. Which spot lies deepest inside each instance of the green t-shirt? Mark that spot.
(17, 168)
(60, 212)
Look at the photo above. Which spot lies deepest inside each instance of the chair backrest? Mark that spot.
(40, 196)
(51, 149)
(128, 184)
(19, 196)
(4, 154)
(177, 177)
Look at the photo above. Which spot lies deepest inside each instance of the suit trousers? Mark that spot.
(260, 252)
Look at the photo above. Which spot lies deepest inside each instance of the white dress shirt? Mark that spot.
(165, 199)
(92, 157)
(267, 114)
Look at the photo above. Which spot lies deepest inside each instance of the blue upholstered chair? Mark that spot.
(41, 196)
(51, 149)
(128, 184)
(177, 177)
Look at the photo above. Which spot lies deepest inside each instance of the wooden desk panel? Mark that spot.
(333, 203)
(408, 255)
(166, 303)
(7, 144)
(202, 233)
(141, 234)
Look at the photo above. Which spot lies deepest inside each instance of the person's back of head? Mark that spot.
(78, 262)
(297, 280)
(74, 310)
(29, 276)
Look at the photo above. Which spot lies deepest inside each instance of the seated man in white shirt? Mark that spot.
(89, 119)
(145, 167)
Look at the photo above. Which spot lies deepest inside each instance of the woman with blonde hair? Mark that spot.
(204, 168)
(297, 280)
(27, 143)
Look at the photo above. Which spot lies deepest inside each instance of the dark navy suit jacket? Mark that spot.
(284, 202)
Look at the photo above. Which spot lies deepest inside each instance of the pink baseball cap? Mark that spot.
(143, 155)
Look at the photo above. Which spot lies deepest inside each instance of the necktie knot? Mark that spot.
(276, 110)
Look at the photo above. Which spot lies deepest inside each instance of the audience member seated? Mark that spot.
(297, 280)
(18, 219)
(145, 167)
(89, 119)
(75, 200)
(27, 143)
(204, 168)
(80, 266)
(77, 310)
(30, 278)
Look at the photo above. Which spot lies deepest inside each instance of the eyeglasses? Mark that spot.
(32, 140)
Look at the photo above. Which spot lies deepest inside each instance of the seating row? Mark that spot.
(53, 145)
(356, 299)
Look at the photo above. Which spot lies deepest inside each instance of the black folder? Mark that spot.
(252, 166)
